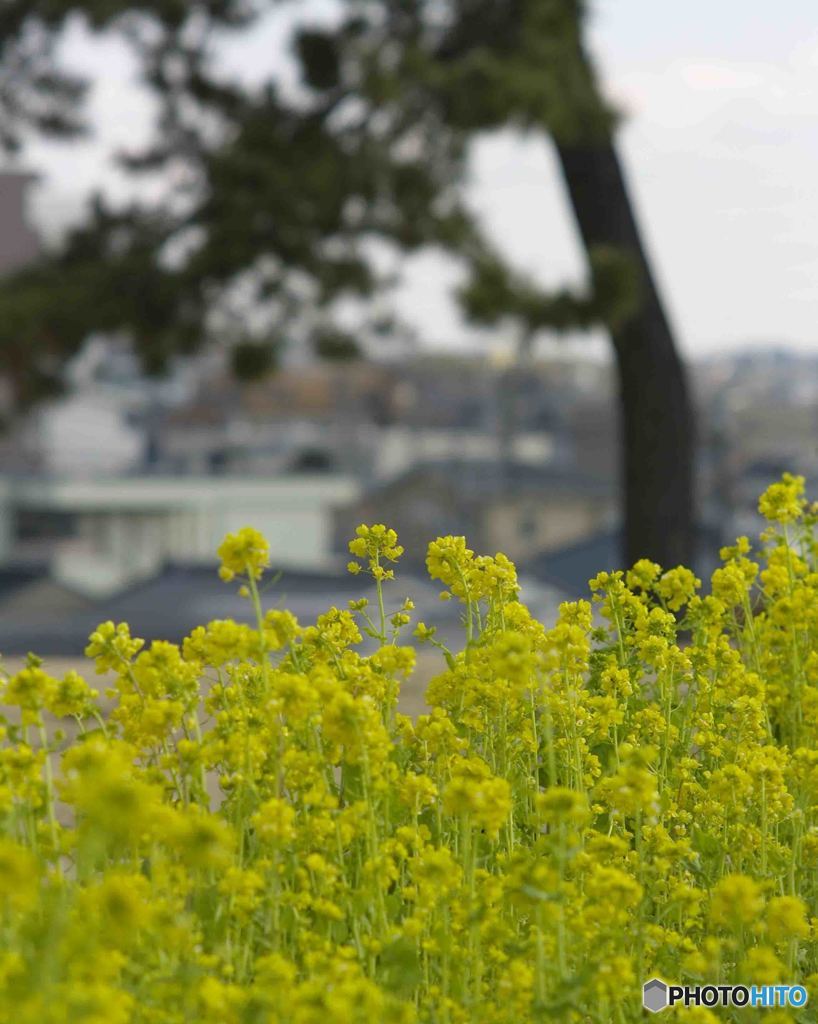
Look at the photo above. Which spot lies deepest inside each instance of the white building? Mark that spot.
(101, 534)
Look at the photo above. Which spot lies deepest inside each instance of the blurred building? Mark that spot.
(19, 243)
(757, 418)
(375, 420)
(519, 509)
(124, 477)
(99, 426)
(101, 534)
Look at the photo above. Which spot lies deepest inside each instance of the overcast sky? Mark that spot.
(720, 143)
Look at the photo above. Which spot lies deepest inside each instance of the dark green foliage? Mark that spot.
(251, 360)
(106, 279)
(335, 345)
(494, 292)
(34, 92)
(280, 195)
(320, 59)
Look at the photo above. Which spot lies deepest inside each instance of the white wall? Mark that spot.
(129, 527)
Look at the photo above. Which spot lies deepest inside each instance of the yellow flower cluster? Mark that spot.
(245, 553)
(244, 830)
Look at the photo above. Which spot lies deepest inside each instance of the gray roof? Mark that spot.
(481, 478)
(171, 604)
(570, 568)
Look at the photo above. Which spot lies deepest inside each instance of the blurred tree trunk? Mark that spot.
(657, 441)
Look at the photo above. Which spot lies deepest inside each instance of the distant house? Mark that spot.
(316, 417)
(19, 243)
(101, 534)
(373, 419)
(516, 508)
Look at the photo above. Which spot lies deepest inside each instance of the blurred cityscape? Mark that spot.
(114, 497)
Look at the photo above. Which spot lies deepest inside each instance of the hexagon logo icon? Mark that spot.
(654, 995)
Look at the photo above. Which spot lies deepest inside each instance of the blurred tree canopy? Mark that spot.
(274, 198)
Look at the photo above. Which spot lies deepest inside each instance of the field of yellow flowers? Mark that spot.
(246, 831)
